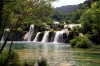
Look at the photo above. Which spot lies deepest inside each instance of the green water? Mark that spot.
(57, 53)
(86, 57)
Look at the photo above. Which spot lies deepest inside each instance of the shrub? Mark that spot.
(81, 42)
(61, 26)
(42, 62)
(20, 30)
(12, 59)
(73, 42)
(51, 32)
(3, 58)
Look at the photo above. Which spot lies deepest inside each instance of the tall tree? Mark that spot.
(22, 10)
(1, 10)
(86, 21)
(95, 9)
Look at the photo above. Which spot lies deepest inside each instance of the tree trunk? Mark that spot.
(12, 40)
(6, 40)
(1, 9)
(4, 25)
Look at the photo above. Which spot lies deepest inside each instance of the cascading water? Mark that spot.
(6, 31)
(45, 37)
(71, 25)
(2, 38)
(58, 37)
(25, 37)
(37, 36)
(30, 33)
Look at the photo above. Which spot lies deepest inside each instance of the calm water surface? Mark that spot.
(58, 54)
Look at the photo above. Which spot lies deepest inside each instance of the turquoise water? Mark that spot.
(86, 57)
(58, 54)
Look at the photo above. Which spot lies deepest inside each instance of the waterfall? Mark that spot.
(36, 37)
(58, 37)
(25, 37)
(45, 37)
(6, 31)
(2, 38)
(30, 33)
(71, 25)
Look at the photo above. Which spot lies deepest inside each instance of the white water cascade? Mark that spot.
(2, 39)
(36, 37)
(6, 31)
(45, 37)
(58, 37)
(25, 37)
(30, 33)
(71, 25)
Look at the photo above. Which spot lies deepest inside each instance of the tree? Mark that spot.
(1, 18)
(22, 10)
(91, 20)
(86, 21)
(96, 18)
(57, 16)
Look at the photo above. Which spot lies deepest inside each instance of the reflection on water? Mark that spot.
(57, 54)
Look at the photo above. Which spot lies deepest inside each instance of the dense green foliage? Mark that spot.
(23, 13)
(88, 15)
(57, 16)
(9, 60)
(90, 21)
(80, 42)
(18, 15)
(66, 9)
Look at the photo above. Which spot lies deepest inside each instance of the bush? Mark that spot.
(12, 59)
(51, 32)
(61, 26)
(84, 43)
(3, 58)
(81, 42)
(73, 42)
(42, 62)
(20, 30)
(40, 27)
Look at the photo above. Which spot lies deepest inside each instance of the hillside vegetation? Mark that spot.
(66, 9)
(19, 15)
(87, 14)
